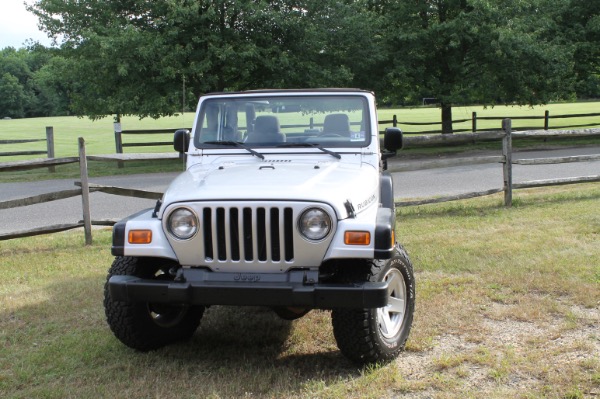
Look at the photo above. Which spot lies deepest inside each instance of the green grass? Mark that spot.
(99, 134)
(432, 114)
(507, 306)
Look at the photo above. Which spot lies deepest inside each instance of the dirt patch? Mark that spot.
(513, 356)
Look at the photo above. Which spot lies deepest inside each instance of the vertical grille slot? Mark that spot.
(275, 239)
(288, 233)
(207, 230)
(248, 244)
(221, 234)
(261, 234)
(234, 234)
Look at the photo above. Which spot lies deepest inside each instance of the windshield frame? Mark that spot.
(230, 125)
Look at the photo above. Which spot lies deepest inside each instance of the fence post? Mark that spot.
(395, 121)
(546, 119)
(50, 146)
(85, 193)
(118, 141)
(507, 169)
(474, 122)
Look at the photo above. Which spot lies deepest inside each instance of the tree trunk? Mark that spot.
(446, 118)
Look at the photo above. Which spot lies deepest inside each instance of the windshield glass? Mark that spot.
(328, 121)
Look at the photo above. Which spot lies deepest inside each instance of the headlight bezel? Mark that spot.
(195, 223)
(304, 222)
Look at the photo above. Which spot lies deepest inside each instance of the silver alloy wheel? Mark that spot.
(391, 317)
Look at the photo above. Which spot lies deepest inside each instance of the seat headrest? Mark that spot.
(266, 125)
(336, 123)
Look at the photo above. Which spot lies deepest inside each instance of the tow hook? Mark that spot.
(178, 273)
(307, 280)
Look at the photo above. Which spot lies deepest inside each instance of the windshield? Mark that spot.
(328, 121)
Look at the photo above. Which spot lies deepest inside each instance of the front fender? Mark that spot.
(384, 233)
(159, 247)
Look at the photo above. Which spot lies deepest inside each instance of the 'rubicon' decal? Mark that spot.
(362, 205)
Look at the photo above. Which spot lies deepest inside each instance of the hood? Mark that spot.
(333, 182)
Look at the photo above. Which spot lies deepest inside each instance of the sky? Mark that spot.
(17, 25)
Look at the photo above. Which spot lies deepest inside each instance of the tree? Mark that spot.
(14, 83)
(12, 101)
(579, 24)
(29, 83)
(475, 51)
(133, 57)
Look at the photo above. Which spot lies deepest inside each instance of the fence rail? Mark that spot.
(49, 151)
(474, 118)
(85, 188)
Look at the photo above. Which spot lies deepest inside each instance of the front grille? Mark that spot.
(248, 234)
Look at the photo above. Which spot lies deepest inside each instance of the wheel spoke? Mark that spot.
(393, 283)
(385, 322)
(396, 305)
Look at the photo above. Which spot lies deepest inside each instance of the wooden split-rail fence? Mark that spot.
(84, 188)
(49, 151)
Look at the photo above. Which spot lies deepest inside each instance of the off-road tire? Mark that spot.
(146, 326)
(361, 334)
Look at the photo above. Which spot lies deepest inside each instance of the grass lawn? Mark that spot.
(507, 306)
(432, 114)
(99, 134)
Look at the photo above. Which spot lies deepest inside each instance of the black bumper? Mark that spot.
(202, 287)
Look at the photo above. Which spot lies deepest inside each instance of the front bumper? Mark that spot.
(292, 289)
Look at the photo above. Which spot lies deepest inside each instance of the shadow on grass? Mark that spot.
(63, 345)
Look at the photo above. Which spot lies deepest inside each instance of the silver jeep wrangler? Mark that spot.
(285, 203)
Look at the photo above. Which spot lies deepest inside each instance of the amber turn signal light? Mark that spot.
(357, 238)
(140, 236)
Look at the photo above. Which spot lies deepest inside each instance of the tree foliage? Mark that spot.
(28, 87)
(475, 51)
(578, 23)
(154, 58)
(143, 53)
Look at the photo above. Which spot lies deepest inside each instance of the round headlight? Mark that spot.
(315, 224)
(183, 223)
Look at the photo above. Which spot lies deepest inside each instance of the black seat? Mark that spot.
(266, 130)
(336, 124)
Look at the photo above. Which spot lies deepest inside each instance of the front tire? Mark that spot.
(379, 335)
(147, 326)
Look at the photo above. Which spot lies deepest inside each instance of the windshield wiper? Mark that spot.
(237, 145)
(311, 145)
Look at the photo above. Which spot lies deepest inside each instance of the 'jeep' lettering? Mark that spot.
(246, 277)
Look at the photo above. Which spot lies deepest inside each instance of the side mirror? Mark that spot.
(181, 141)
(392, 139)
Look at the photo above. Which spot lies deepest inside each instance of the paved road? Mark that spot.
(472, 178)
(415, 184)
